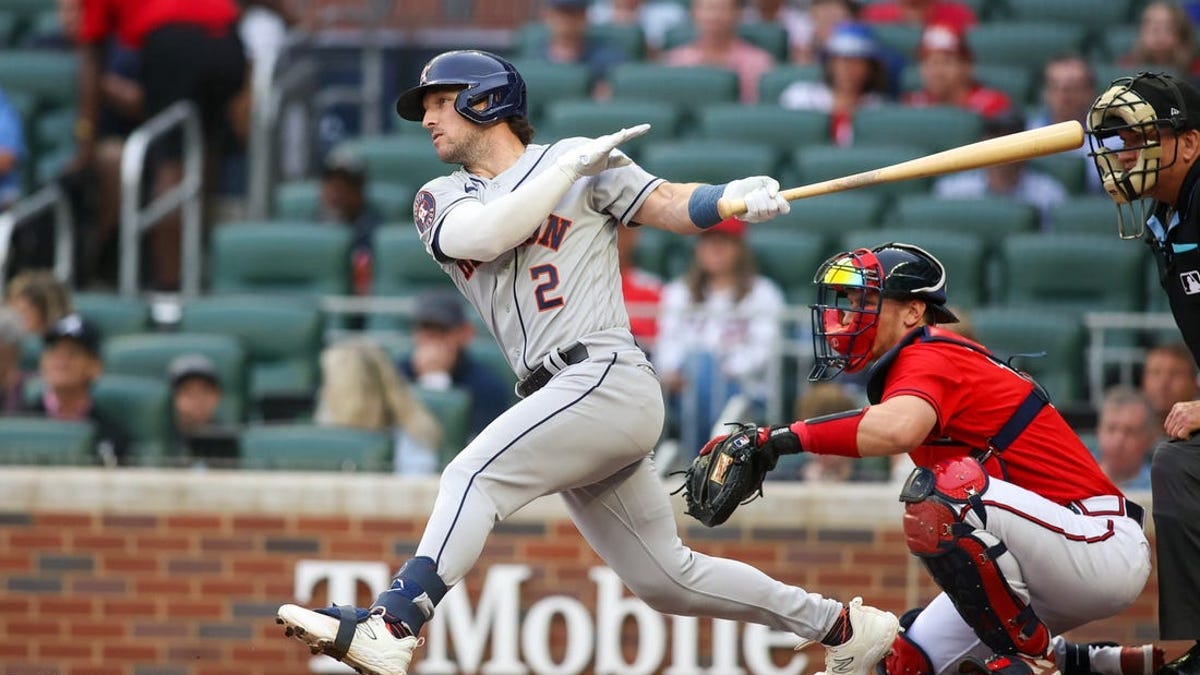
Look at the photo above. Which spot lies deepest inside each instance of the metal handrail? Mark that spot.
(50, 197)
(187, 196)
(1099, 355)
(273, 90)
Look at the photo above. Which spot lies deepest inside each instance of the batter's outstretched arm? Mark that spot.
(689, 208)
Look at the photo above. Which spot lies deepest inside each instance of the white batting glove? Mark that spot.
(761, 194)
(599, 154)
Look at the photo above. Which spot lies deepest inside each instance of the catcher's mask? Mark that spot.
(850, 289)
(1143, 106)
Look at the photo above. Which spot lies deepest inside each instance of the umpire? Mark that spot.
(1144, 133)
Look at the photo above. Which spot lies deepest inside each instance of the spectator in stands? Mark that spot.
(642, 290)
(717, 44)
(1169, 377)
(1126, 433)
(344, 202)
(169, 35)
(12, 378)
(12, 152)
(1165, 41)
(70, 366)
(853, 77)
(654, 18)
(951, 13)
(947, 71)
(39, 299)
(1010, 181)
(718, 331)
(823, 16)
(786, 13)
(1068, 89)
(441, 359)
(361, 389)
(195, 393)
(569, 43)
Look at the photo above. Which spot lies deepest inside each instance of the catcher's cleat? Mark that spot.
(872, 633)
(1010, 664)
(364, 640)
(1110, 658)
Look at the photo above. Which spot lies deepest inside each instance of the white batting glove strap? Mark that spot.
(761, 194)
(599, 154)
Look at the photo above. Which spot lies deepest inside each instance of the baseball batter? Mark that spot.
(528, 234)
(1007, 508)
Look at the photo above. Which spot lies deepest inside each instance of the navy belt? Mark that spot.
(576, 353)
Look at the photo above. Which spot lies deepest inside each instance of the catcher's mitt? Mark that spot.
(730, 475)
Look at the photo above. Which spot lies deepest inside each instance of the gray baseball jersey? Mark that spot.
(537, 296)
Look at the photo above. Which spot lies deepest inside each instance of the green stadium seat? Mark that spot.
(789, 259)
(830, 216)
(932, 129)
(50, 76)
(681, 86)
(563, 119)
(784, 130)
(1098, 17)
(1009, 331)
(149, 355)
(963, 254)
(1118, 41)
(54, 129)
(1072, 272)
(114, 314)
(1016, 81)
(1068, 168)
(283, 338)
(707, 161)
(452, 408)
(407, 159)
(1090, 214)
(485, 350)
(549, 82)
(991, 218)
(42, 26)
(770, 36)
(902, 38)
(141, 405)
(308, 447)
(531, 39)
(817, 163)
(1024, 44)
(402, 266)
(280, 257)
(774, 81)
(8, 29)
(299, 200)
(37, 440)
(663, 253)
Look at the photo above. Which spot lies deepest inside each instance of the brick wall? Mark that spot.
(177, 573)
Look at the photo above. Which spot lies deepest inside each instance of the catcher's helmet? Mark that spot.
(1145, 104)
(845, 316)
(483, 76)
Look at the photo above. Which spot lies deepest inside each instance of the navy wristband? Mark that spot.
(702, 205)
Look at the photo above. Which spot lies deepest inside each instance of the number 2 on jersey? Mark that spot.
(547, 278)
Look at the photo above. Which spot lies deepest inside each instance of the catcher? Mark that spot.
(1006, 507)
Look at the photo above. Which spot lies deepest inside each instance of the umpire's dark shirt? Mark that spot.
(111, 443)
(1178, 257)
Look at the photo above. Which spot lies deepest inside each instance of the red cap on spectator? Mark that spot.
(943, 37)
(730, 226)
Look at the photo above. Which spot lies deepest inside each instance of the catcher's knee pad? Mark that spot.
(970, 565)
(906, 658)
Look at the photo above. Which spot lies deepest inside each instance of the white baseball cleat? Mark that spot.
(873, 631)
(358, 638)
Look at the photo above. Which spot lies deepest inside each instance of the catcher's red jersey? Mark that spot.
(973, 397)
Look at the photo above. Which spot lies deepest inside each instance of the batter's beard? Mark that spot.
(466, 153)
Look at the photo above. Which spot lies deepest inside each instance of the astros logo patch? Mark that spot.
(423, 211)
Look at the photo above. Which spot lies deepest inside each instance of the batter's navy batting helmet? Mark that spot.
(483, 77)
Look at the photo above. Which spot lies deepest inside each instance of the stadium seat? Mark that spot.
(789, 259)
(568, 118)
(1118, 41)
(452, 408)
(402, 266)
(901, 38)
(1068, 168)
(774, 81)
(8, 29)
(547, 82)
(485, 350)
(141, 405)
(1021, 330)
(783, 130)
(830, 216)
(681, 86)
(283, 338)
(397, 158)
(300, 200)
(280, 257)
(963, 254)
(308, 447)
(817, 163)
(38, 440)
(991, 218)
(663, 253)
(48, 75)
(1024, 44)
(1015, 81)
(53, 129)
(707, 161)
(1089, 214)
(1072, 272)
(771, 36)
(531, 39)
(1098, 17)
(114, 314)
(149, 355)
(932, 129)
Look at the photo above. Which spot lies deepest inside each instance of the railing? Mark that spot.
(187, 196)
(25, 211)
(1125, 357)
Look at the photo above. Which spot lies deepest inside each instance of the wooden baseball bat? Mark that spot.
(1000, 150)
